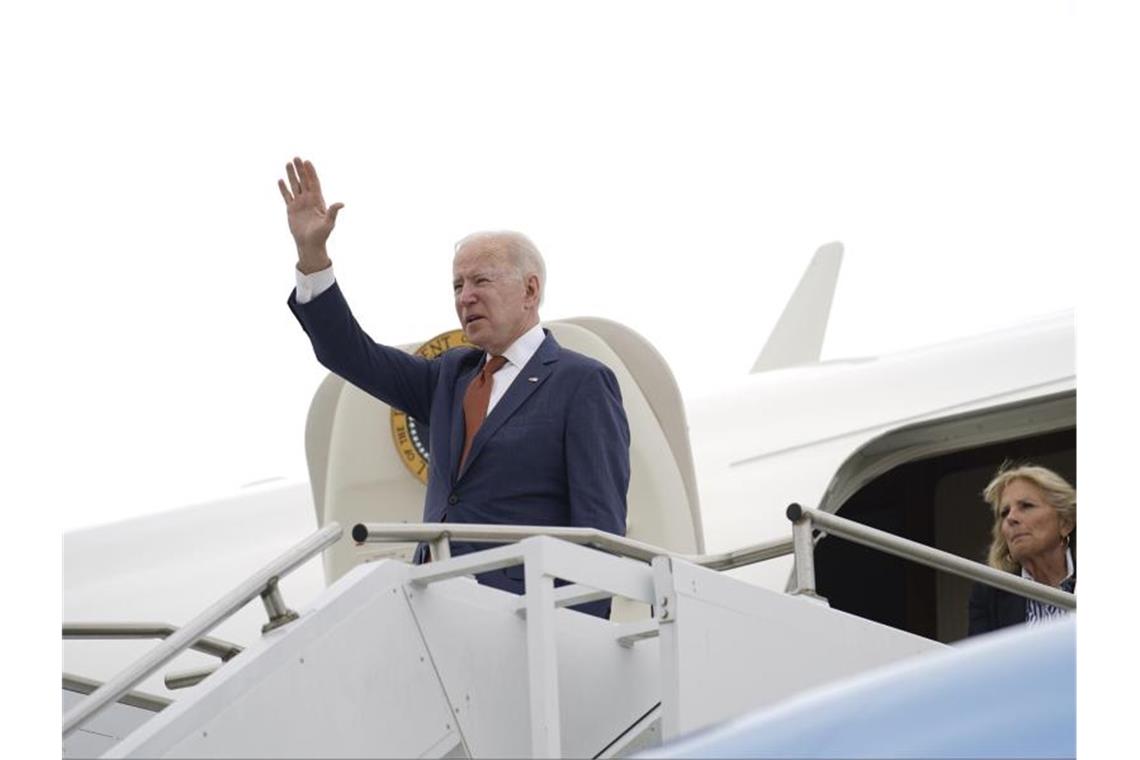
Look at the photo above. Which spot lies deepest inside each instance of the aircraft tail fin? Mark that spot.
(798, 335)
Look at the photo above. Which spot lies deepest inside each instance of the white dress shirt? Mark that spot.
(1038, 612)
(518, 354)
(309, 286)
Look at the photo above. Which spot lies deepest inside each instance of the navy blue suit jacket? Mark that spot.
(553, 451)
(993, 608)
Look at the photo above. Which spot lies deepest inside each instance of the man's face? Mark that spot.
(494, 304)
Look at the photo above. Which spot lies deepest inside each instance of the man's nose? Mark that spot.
(466, 295)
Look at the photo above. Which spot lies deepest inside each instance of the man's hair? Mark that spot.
(1058, 493)
(521, 252)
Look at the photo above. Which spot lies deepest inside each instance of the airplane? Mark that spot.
(902, 443)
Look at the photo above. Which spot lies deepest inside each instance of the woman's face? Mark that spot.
(1030, 525)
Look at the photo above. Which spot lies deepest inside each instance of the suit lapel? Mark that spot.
(1012, 608)
(540, 367)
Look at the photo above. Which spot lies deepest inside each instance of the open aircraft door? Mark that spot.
(366, 462)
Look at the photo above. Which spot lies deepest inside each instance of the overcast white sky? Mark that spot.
(678, 163)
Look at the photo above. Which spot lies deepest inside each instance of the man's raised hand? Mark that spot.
(309, 220)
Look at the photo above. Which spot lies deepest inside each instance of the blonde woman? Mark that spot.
(1035, 522)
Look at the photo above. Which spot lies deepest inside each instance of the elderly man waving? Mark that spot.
(523, 431)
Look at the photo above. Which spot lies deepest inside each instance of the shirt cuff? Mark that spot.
(309, 286)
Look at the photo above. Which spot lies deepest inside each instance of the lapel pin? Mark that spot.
(532, 379)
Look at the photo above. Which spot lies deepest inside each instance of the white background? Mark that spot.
(677, 163)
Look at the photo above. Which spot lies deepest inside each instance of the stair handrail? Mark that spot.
(260, 583)
(120, 631)
(804, 520)
(439, 535)
(84, 685)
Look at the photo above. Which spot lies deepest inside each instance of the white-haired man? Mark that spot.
(523, 431)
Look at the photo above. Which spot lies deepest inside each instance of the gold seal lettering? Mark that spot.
(410, 441)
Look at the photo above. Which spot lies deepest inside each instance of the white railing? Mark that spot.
(219, 648)
(263, 583)
(804, 521)
(439, 535)
(81, 685)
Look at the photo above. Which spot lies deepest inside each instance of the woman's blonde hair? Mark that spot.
(1058, 493)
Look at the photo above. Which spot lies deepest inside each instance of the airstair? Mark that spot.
(395, 660)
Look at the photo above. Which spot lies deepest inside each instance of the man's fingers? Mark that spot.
(311, 180)
(304, 180)
(284, 192)
(333, 211)
(293, 181)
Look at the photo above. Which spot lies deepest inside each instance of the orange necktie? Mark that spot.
(475, 402)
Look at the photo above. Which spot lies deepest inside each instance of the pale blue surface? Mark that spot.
(1007, 694)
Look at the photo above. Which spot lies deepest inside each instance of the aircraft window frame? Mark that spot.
(946, 435)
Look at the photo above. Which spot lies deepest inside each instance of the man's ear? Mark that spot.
(533, 289)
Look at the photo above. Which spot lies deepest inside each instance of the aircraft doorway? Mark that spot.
(936, 501)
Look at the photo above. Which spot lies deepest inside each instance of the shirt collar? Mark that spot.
(1068, 567)
(524, 348)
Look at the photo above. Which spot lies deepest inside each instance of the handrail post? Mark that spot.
(279, 613)
(440, 548)
(184, 679)
(803, 547)
(541, 656)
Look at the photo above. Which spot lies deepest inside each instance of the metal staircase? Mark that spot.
(395, 660)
